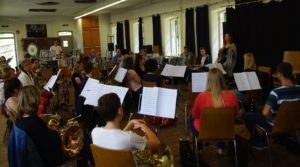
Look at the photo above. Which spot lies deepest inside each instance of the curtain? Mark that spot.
(120, 36)
(189, 30)
(266, 30)
(157, 31)
(127, 35)
(141, 33)
(202, 28)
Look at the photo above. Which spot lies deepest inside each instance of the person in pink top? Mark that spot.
(216, 95)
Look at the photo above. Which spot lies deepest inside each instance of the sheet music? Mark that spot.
(50, 83)
(149, 101)
(199, 81)
(216, 65)
(120, 74)
(100, 89)
(173, 71)
(241, 81)
(88, 87)
(253, 80)
(166, 103)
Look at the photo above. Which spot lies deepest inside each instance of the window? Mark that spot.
(114, 35)
(172, 40)
(65, 44)
(222, 20)
(8, 48)
(136, 42)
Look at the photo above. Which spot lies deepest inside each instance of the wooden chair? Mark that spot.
(293, 57)
(149, 84)
(112, 158)
(217, 124)
(287, 120)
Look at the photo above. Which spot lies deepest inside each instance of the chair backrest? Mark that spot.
(293, 57)
(287, 118)
(149, 84)
(112, 158)
(264, 69)
(217, 124)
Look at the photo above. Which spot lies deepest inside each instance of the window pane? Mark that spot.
(6, 35)
(65, 44)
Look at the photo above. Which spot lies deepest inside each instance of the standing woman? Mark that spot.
(216, 95)
(227, 55)
(46, 141)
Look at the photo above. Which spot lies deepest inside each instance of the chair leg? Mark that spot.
(185, 117)
(235, 153)
(269, 149)
(196, 150)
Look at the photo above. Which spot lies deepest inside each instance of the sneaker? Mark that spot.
(220, 151)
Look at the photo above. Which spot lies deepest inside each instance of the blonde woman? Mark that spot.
(249, 62)
(47, 141)
(216, 95)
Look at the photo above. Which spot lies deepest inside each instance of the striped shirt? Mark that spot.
(281, 94)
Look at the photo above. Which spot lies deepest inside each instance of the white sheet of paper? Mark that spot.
(216, 65)
(100, 89)
(241, 81)
(149, 101)
(166, 103)
(120, 74)
(50, 83)
(88, 87)
(173, 71)
(199, 81)
(253, 81)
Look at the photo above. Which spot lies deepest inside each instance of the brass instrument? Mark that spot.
(71, 133)
(164, 157)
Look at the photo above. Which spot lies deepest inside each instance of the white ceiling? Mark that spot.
(66, 8)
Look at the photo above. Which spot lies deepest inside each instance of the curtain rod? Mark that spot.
(182, 10)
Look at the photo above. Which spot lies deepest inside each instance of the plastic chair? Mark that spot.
(287, 120)
(217, 124)
(112, 158)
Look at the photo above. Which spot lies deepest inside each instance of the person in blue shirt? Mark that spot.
(118, 56)
(204, 57)
(289, 91)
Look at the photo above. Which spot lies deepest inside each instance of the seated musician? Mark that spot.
(249, 62)
(151, 67)
(62, 62)
(111, 136)
(289, 91)
(25, 76)
(204, 57)
(186, 57)
(11, 92)
(118, 57)
(46, 140)
(139, 66)
(216, 95)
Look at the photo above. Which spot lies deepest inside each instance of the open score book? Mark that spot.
(173, 71)
(199, 81)
(159, 102)
(246, 81)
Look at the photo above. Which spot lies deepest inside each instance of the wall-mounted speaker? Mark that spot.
(110, 47)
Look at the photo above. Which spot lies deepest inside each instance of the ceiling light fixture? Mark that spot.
(101, 8)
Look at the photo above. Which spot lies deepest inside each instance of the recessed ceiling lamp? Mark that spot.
(101, 8)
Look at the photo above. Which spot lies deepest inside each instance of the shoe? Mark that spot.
(259, 146)
(220, 151)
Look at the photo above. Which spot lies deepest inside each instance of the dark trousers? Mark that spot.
(253, 119)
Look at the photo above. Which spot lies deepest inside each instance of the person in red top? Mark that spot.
(216, 95)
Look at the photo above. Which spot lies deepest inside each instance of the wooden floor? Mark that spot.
(171, 136)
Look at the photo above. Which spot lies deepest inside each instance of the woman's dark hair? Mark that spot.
(88, 68)
(108, 106)
(32, 60)
(128, 63)
(151, 65)
(10, 86)
(138, 60)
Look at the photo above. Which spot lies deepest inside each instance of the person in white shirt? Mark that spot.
(55, 47)
(112, 137)
(25, 75)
